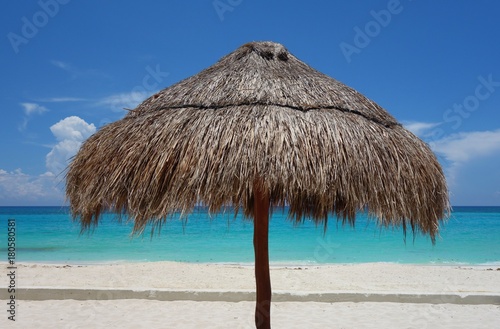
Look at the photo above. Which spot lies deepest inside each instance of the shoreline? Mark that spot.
(493, 265)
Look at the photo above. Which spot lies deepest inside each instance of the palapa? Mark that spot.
(259, 129)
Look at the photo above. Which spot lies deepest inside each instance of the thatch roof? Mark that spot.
(317, 145)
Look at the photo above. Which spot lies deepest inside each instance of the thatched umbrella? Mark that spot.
(256, 130)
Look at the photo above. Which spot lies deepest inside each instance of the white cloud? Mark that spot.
(70, 133)
(118, 102)
(18, 188)
(462, 147)
(420, 128)
(61, 65)
(22, 126)
(76, 72)
(72, 128)
(57, 159)
(62, 99)
(33, 108)
(29, 110)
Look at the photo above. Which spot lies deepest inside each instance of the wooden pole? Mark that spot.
(260, 243)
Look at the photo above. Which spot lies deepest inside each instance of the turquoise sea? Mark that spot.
(47, 234)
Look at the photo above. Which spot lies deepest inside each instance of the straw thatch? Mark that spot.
(259, 113)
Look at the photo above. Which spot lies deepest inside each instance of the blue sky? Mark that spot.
(69, 67)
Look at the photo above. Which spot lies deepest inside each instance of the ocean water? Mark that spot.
(47, 234)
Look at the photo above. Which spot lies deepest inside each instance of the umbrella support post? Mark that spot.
(260, 242)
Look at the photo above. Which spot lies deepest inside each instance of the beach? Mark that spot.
(188, 295)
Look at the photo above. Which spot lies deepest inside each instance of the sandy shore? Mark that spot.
(180, 295)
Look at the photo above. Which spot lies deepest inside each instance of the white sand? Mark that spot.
(179, 295)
